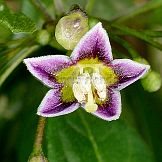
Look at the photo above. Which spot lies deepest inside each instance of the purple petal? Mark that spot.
(128, 72)
(44, 67)
(111, 109)
(52, 105)
(94, 44)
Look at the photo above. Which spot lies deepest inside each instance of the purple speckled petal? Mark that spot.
(94, 44)
(53, 106)
(44, 67)
(128, 72)
(111, 109)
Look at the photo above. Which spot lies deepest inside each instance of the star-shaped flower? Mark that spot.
(89, 78)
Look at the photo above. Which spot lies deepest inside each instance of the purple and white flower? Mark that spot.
(89, 78)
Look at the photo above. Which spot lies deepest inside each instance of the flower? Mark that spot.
(89, 78)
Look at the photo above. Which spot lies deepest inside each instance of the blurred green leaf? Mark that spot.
(111, 9)
(151, 33)
(18, 133)
(30, 10)
(147, 7)
(133, 53)
(14, 59)
(5, 35)
(81, 137)
(16, 22)
(147, 111)
(138, 34)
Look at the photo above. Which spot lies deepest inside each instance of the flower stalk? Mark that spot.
(37, 153)
(37, 148)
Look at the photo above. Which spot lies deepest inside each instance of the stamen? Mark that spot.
(83, 92)
(81, 87)
(100, 85)
(79, 93)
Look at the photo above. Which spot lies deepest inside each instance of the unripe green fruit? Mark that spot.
(71, 28)
(43, 37)
(152, 81)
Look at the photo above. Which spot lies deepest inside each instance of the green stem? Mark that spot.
(89, 6)
(16, 61)
(147, 7)
(37, 148)
(37, 153)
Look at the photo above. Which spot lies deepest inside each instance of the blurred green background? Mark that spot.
(80, 137)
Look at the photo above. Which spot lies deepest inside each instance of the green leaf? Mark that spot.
(16, 22)
(138, 34)
(147, 7)
(126, 45)
(81, 137)
(5, 35)
(110, 9)
(146, 108)
(11, 60)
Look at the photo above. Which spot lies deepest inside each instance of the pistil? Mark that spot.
(90, 106)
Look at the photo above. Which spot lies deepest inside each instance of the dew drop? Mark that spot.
(76, 23)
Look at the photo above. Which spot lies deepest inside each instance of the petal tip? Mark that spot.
(95, 43)
(146, 70)
(40, 114)
(26, 61)
(115, 106)
(110, 118)
(128, 71)
(43, 114)
(113, 117)
(52, 106)
(99, 27)
(147, 67)
(99, 24)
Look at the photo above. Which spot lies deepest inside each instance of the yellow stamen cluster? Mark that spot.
(84, 88)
